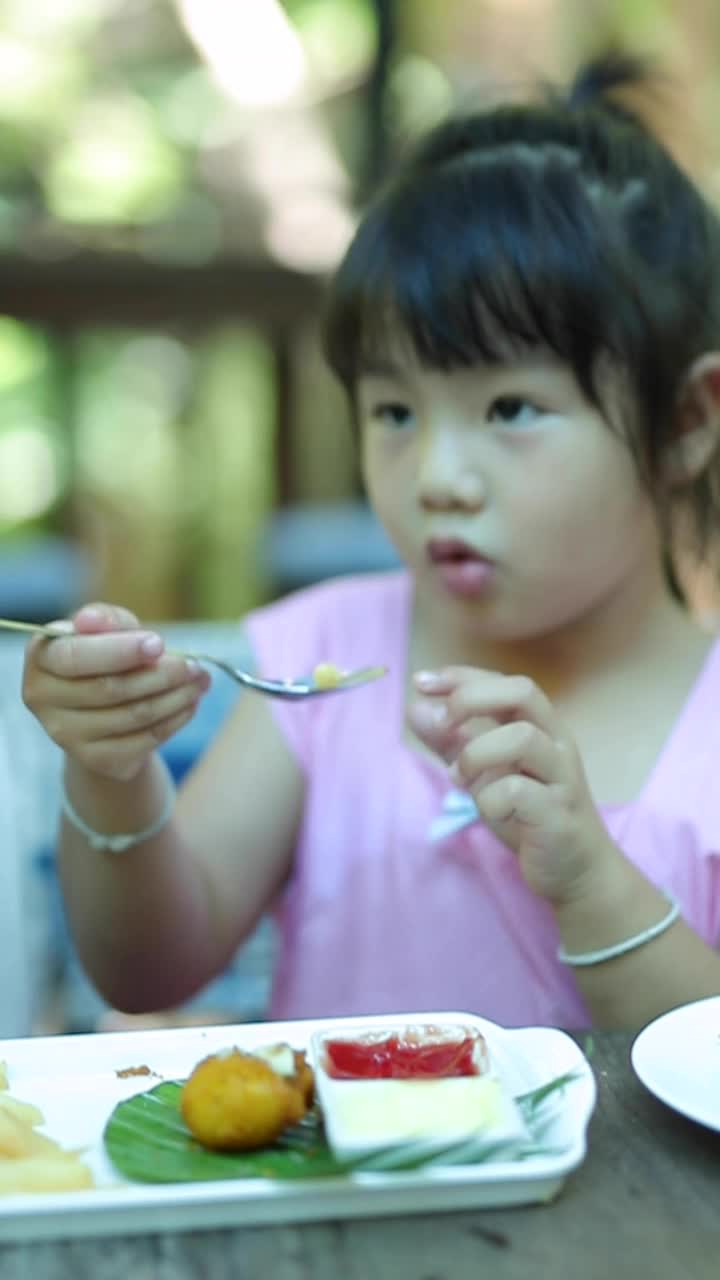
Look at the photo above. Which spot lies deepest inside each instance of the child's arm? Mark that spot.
(156, 922)
(506, 745)
(629, 990)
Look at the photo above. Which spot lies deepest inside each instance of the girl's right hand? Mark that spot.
(107, 693)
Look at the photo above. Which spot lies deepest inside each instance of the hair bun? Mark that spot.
(611, 82)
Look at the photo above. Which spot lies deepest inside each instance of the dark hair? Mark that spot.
(562, 223)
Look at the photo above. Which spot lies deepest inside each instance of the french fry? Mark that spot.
(31, 1161)
(15, 1136)
(59, 1172)
(24, 1111)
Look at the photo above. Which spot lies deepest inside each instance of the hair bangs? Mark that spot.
(479, 262)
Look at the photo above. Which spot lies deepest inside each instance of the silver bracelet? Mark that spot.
(581, 958)
(118, 842)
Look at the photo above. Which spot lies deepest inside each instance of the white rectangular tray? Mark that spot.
(75, 1082)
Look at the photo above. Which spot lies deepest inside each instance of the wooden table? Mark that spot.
(646, 1202)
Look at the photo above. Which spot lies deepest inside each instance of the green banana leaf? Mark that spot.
(147, 1141)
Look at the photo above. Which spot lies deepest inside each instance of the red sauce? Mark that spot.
(397, 1059)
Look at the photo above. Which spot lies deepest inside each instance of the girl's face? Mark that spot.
(505, 492)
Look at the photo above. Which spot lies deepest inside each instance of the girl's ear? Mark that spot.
(697, 435)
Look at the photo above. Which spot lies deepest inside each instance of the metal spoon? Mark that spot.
(306, 687)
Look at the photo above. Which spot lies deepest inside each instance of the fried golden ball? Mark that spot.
(237, 1102)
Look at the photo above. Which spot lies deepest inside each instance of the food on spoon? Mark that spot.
(326, 675)
(238, 1101)
(391, 1086)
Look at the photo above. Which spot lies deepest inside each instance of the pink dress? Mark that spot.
(379, 918)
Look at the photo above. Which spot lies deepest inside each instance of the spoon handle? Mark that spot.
(59, 628)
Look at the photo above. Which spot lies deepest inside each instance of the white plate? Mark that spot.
(75, 1082)
(677, 1057)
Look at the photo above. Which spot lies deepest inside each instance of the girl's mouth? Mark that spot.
(462, 570)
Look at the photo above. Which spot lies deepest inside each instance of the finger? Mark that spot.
(515, 748)
(120, 688)
(71, 727)
(441, 682)
(471, 691)
(485, 693)
(99, 616)
(429, 722)
(514, 798)
(100, 653)
(121, 757)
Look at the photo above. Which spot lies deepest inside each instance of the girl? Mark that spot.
(528, 325)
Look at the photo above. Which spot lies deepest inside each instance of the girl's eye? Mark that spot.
(513, 410)
(392, 414)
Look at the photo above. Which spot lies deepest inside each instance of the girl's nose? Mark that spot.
(449, 484)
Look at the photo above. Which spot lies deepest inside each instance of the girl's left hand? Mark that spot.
(505, 745)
